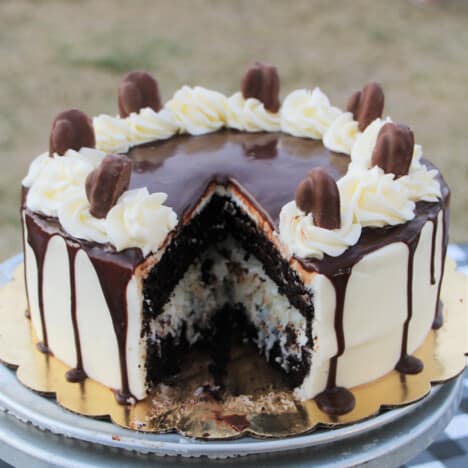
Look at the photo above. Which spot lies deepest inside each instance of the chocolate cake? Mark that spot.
(318, 234)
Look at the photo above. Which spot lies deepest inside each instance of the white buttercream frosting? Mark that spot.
(250, 115)
(376, 199)
(148, 125)
(307, 113)
(112, 133)
(198, 110)
(35, 169)
(75, 218)
(342, 134)
(361, 154)
(304, 239)
(54, 181)
(139, 219)
(57, 188)
(421, 182)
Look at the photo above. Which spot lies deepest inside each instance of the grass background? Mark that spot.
(59, 54)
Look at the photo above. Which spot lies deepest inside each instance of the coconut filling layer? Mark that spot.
(226, 275)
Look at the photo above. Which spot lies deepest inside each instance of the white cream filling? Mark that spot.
(233, 281)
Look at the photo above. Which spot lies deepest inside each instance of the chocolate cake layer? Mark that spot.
(218, 219)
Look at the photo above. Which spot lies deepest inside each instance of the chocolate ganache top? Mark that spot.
(269, 166)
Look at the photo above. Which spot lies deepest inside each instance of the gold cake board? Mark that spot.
(260, 411)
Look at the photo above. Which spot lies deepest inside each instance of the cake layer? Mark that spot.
(226, 275)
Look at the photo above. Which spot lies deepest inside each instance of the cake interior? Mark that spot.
(221, 277)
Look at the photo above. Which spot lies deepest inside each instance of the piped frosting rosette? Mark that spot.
(305, 239)
(87, 191)
(420, 181)
(385, 179)
(256, 108)
(317, 222)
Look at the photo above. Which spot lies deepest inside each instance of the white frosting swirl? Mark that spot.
(148, 125)
(57, 188)
(306, 113)
(56, 180)
(198, 110)
(421, 183)
(342, 134)
(376, 198)
(139, 219)
(75, 218)
(112, 133)
(35, 168)
(361, 154)
(304, 239)
(250, 115)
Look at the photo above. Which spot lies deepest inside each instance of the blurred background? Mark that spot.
(60, 54)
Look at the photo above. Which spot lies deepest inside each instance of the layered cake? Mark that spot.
(316, 233)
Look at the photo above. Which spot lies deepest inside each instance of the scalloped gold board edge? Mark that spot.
(442, 353)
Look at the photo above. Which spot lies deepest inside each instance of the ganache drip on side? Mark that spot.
(438, 314)
(337, 400)
(77, 374)
(24, 192)
(114, 271)
(433, 246)
(39, 240)
(114, 278)
(409, 364)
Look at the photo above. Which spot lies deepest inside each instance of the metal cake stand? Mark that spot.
(36, 431)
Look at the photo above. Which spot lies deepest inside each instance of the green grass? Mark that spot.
(57, 54)
(116, 54)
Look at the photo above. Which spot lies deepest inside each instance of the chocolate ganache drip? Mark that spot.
(114, 271)
(38, 239)
(24, 192)
(77, 374)
(337, 400)
(409, 364)
(433, 247)
(438, 315)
